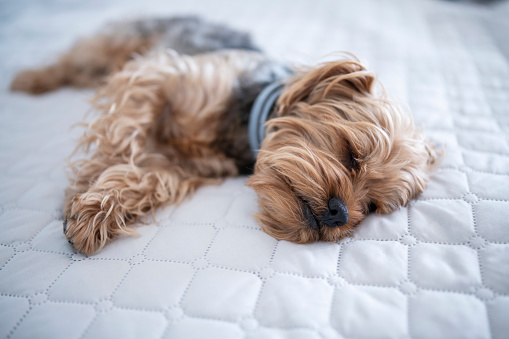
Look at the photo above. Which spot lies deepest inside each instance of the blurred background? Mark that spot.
(33, 32)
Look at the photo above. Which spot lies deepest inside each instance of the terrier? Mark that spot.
(326, 145)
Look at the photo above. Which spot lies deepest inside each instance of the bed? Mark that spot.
(437, 268)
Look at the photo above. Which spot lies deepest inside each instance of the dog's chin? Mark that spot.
(334, 234)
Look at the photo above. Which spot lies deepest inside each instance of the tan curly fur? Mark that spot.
(155, 143)
(169, 123)
(334, 136)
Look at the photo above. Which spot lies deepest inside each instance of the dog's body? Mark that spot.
(333, 151)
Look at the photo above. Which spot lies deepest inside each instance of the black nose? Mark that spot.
(337, 214)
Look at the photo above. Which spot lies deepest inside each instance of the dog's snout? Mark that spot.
(337, 214)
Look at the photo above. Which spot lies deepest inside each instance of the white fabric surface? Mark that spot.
(438, 268)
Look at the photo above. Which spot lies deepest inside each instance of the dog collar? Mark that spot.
(260, 111)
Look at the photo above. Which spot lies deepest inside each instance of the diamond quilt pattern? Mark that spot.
(437, 268)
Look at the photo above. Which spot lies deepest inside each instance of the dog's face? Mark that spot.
(335, 152)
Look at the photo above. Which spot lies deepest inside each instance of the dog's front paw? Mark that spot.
(82, 236)
(94, 220)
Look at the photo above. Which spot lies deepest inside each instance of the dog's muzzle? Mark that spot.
(335, 216)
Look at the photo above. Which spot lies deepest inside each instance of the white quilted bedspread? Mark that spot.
(438, 268)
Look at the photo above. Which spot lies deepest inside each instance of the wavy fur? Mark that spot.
(169, 123)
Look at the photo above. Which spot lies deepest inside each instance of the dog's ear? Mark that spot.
(339, 79)
(405, 176)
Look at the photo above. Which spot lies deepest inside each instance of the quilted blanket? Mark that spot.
(437, 268)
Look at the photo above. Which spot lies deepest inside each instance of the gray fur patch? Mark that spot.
(187, 35)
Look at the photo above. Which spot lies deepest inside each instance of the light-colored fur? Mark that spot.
(169, 123)
(331, 136)
(334, 136)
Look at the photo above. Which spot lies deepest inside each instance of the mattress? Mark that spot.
(437, 268)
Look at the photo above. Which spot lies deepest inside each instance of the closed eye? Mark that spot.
(352, 161)
(309, 217)
(371, 207)
(350, 158)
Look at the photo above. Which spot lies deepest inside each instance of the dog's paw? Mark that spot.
(93, 221)
(34, 82)
(82, 236)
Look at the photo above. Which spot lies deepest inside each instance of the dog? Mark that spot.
(325, 145)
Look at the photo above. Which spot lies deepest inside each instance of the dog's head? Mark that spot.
(335, 151)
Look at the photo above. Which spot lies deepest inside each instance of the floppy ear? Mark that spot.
(406, 175)
(340, 79)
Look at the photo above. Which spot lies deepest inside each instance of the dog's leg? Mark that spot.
(86, 64)
(120, 196)
(124, 193)
(105, 186)
(153, 143)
